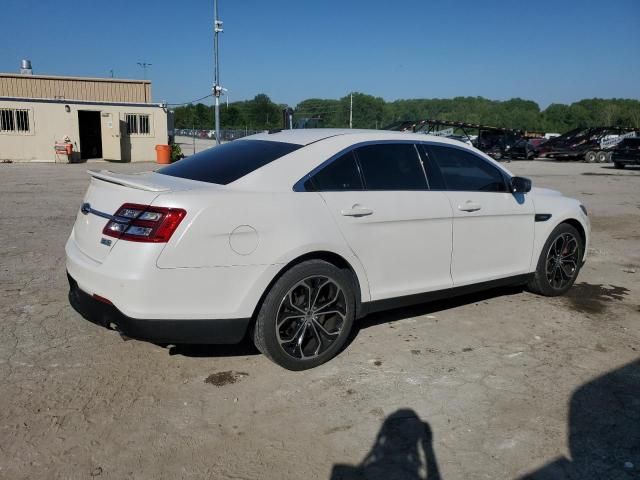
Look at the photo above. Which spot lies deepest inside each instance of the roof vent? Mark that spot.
(25, 67)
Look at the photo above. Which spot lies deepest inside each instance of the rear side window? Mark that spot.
(391, 166)
(340, 175)
(463, 171)
(228, 162)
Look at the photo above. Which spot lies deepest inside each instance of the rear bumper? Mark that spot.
(218, 331)
(129, 278)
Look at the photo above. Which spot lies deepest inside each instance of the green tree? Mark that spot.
(369, 112)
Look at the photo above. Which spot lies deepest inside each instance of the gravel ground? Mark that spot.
(499, 385)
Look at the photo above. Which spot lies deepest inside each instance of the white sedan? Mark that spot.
(290, 236)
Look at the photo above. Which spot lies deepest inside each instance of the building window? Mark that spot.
(138, 124)
(14, 120)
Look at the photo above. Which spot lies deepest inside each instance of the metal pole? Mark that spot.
(193, 129)
(351, 112)
(217, 89)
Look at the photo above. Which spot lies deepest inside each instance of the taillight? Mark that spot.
(144, 223)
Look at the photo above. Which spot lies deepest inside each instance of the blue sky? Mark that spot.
(547, 51)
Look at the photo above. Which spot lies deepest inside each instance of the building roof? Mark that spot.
(67, 77)
(74, 88)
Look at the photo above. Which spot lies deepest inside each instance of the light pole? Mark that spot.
(217, 88)
(144, 66)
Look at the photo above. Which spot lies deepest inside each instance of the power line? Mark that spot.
(144, 66)
(192, 101)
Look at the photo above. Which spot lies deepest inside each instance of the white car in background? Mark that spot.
(291, 236)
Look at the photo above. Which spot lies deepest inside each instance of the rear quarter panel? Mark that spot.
(236, 228)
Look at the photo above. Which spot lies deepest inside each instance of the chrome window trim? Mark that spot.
(424, 170)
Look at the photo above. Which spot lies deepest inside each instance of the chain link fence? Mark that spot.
(226, 134)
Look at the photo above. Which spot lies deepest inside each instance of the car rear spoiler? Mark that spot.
(137, 181)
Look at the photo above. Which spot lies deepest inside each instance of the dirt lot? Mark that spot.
(492, 386)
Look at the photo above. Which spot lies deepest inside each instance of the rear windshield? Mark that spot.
(228, 162)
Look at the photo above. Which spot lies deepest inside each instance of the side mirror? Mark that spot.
(520, 185)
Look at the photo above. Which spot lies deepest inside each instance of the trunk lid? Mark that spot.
(107, 192)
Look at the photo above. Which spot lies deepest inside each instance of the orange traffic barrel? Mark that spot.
(163, 154)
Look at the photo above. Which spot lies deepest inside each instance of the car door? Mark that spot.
(493, 229)
(400, 231)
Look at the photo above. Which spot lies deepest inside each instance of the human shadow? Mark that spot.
(604, 430)
(403, 450)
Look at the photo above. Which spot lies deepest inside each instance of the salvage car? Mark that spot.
(290, 236)
(627, 152)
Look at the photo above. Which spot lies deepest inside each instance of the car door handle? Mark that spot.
(469, 206)
(356, 211)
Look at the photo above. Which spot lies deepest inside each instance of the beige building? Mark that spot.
(111, 119)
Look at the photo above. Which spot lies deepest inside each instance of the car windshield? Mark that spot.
(228, 162)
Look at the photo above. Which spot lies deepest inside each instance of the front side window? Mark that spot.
(340, 175)
(391, 166)
(228, 162)
(465, 172)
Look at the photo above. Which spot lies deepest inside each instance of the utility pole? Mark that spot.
(351, 112)
(144, 66)
(217, 88)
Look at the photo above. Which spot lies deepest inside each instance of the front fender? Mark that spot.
(562, 210)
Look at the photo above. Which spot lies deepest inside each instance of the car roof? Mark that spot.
(319, 145)
(312, 135)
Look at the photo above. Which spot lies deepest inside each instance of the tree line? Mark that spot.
(374, 112)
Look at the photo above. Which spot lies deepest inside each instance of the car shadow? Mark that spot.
(242, 349)
(435, 306)
(246, 346)
(626, 167)
(403, 450)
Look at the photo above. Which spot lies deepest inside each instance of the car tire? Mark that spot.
(602, 157)
(306, 316)
(590, 157)
(559, 262)
(618, 165)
